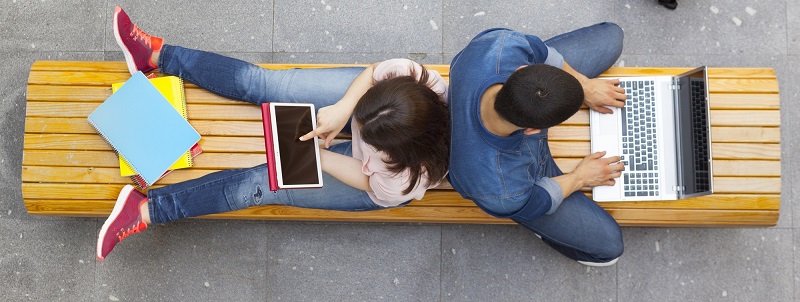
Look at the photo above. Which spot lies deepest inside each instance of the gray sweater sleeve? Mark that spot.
(554, 189)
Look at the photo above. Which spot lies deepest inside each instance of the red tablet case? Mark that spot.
(272, 173)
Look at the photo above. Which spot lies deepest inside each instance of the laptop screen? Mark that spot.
(693, 127)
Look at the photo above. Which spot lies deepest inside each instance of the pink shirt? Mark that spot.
(387, 186)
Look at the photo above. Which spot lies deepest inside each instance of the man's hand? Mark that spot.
(597, 93)
(330, 121)
(594, 170)
(600, 93)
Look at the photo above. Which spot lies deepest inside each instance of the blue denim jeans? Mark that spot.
(580, 229)
(236, 189)
(590, 50)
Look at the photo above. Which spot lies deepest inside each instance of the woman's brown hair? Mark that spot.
(405, 119)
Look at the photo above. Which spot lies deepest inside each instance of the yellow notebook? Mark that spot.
(172, 89)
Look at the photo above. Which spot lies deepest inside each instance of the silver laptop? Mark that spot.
(663, 135)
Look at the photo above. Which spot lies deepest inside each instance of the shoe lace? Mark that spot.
(138, 34)
(136, 228)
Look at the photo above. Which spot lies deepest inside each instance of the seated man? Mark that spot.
(506, 89)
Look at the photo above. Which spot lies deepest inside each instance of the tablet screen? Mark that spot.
(298, 160)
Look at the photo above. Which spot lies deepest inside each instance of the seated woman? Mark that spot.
(399, 126)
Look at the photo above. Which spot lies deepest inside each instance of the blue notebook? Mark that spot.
(143, 127)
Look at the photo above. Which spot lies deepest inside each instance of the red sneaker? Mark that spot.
(124, 220)
(137, 45)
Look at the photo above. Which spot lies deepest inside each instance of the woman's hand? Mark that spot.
(330, 121)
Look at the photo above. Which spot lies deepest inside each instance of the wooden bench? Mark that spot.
(70, 170)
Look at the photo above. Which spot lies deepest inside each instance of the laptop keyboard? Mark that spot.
(639, 148)
(700, 136)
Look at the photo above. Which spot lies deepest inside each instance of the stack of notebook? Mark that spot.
(171, 87)
(145, 122)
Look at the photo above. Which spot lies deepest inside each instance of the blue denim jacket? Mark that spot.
(505, 176)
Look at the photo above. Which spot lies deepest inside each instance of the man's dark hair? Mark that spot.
(539, 96)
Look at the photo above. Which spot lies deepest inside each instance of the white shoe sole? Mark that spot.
(599, 264)
(596, 264)
(126, 191)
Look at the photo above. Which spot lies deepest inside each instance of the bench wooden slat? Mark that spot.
(720, 134)
(229, 144)
(747, 177)
(723, 201)
(60, 158)
(746, 151)
(744, 101)
(746, 134)
(626, 217)
(45, 65)
(713, 72)
(446, 214)
(718, 150)
(254, 128)
(720, 85)
(93, 175)
(727, 118)
(53, 93)
(60, 109)
(244, 112)
(83, 78)
(739, 118)
(694, 217)
(734, 168)
(98, 94)
(79, 125)
(215, 161)
(233, 144)
(70, 181)
(749, 85)
(752, 185)
(720, 201)
(439, 198)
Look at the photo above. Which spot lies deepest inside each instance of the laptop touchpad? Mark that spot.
(608, 123)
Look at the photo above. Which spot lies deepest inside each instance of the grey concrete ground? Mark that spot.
(47, 259)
